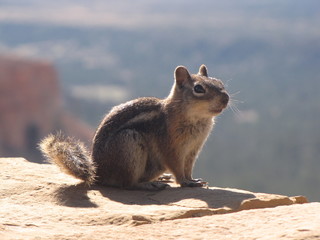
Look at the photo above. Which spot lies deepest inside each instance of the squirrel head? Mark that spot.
(198, 93)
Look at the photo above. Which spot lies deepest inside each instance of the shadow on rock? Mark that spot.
(73, 196)
(77, 196)
(198, 197)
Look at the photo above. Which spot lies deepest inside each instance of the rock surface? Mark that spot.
(39, 202)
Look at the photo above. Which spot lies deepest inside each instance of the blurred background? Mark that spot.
(64, 64)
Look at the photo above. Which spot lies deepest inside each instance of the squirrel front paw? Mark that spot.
(193, 183)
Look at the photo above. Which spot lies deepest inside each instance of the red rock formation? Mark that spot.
(31, 106)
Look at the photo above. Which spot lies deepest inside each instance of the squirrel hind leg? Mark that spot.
(124, 160)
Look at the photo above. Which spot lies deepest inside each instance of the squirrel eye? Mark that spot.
(199, 89)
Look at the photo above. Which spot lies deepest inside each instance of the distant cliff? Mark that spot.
(31, 106)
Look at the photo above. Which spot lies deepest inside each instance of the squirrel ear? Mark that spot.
(181, 75)
(203, 71)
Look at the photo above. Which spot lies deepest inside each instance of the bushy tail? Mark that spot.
(70, 155)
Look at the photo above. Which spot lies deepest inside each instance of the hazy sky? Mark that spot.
(266, 14)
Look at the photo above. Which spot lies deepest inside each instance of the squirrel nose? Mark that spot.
(224, 98)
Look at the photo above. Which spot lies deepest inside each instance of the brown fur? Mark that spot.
(141, 139)
(70, 155)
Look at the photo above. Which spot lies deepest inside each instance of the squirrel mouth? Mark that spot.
(218, 110)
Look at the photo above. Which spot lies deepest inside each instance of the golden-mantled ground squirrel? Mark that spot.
(139, 140)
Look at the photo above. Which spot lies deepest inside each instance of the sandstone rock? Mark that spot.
(31, 106)
(39, 202)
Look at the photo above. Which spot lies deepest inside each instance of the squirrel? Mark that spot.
(139, 140)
